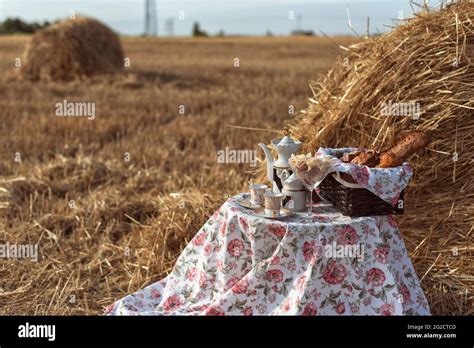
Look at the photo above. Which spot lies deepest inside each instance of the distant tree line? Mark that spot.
(16, 25)
(197, 31)
(302, 33)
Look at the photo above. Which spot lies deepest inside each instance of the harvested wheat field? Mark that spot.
(111, 202)
(106, 226)
(428, 60)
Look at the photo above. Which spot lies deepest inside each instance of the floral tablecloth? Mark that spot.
(242, 264)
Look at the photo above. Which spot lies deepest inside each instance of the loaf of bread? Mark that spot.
(366, 158)
(349, 156)
(404, 148)
(388, 160)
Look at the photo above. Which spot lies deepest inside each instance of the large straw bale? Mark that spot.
(427, 60)
(71, 49)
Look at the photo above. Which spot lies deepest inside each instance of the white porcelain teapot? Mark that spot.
(276, 170)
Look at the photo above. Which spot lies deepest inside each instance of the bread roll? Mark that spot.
(367, 158)
(349, 156)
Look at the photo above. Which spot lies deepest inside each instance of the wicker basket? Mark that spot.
(353, 200)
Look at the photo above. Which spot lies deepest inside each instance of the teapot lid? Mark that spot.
(286, 140)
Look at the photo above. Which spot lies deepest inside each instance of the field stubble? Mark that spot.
(105, 226)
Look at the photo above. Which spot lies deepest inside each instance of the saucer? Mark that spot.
(245, 202)
(283, 213)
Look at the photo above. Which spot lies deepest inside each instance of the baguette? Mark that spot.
(404, 148)
(388, 160)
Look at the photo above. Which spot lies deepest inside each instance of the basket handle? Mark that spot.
(338, 178)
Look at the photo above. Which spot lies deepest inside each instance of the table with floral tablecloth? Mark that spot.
(241, 264)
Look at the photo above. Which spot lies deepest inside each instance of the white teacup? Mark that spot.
(256, 194)
(273, 203)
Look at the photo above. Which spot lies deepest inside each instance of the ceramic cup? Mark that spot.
(256, 194)
(273, 203)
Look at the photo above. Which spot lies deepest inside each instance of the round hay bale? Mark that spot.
(72, 49)
(427, 60)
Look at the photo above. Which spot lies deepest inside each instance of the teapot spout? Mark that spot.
(269, 157)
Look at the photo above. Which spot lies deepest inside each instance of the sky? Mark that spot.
(243, 17)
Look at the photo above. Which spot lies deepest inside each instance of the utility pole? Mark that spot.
(299, 21)
(169, 27)
(147, 17)
(151, 18)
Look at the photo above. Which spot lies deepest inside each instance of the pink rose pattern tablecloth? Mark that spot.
(386, 183)
(241, 264)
